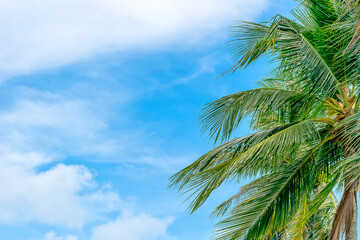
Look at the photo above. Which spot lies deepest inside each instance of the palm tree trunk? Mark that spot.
(352, 234)
(346, 213)
(345, 219)
(351, 227)
(351, 222)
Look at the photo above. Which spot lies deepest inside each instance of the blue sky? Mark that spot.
(98, 108)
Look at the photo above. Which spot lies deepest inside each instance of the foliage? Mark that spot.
(306, 127)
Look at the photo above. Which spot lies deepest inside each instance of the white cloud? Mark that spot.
(54, 236)
(38, 131)
(54, 124)
(133, 227)
(41, 128)
(64, 195)
(40, 34)
(51, 127)
(128, 226)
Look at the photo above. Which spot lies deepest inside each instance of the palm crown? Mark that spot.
(306, 126)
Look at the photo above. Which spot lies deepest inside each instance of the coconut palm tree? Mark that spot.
(305, 119)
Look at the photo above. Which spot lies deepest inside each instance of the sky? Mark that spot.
(99, 101)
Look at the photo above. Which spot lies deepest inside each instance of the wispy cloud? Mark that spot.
(59, 195)
(134, 227)
(43, 129)
(53, 127)
(42, 34)
(40, 131)
(65, 195)
(127, 226)
(54, 124)
(53, 236)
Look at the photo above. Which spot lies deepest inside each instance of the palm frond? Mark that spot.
(262, 153)
(272, 206)
(306, 118)
(271, 202)
(348, 131)
(296, 49)
(222, 117)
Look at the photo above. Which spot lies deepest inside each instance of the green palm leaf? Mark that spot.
(307, 130)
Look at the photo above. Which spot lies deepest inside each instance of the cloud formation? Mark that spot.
(53, 123)
(133, 227)
(39, 131)
(54, 236)
(64, 195)
(41, 34)
(128, 226)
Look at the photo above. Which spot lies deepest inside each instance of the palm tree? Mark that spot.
(304, 149)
